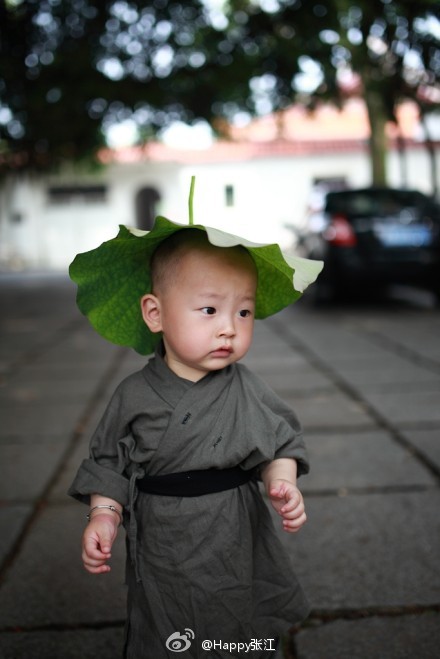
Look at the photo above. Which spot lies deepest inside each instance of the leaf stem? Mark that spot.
(191, 196)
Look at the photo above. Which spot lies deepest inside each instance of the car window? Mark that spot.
(379, 203)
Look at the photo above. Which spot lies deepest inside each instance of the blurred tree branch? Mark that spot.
(70, 69)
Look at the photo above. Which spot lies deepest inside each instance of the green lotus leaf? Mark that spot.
(112, 278)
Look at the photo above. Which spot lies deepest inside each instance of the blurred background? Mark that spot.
(107, 108)
(312, 123)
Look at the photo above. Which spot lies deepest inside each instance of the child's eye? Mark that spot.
(209, 311)
(244, 313)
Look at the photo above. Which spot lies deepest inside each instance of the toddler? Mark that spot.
(177, 458)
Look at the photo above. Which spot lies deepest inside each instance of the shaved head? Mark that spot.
(166, 260)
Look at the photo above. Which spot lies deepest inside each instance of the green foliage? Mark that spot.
(69, 69)
(112, 279)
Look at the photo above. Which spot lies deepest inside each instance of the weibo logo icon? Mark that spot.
(178, 642)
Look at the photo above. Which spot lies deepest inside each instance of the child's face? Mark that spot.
(206, 314)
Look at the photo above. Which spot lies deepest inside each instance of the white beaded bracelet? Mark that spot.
(109, 507)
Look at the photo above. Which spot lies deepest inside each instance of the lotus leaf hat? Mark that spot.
(112, 278)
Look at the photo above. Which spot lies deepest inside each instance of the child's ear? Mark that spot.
(150, 306)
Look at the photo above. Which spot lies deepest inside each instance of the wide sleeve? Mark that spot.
(271, 424)
(289, 438)
(104, 472)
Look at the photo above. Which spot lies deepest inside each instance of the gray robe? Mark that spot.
(212, 564)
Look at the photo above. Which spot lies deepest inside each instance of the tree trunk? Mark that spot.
(431, 152)
(401, 148)
(378, 144)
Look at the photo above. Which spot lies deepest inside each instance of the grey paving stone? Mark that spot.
(361, 460)
(406, 637)
(47, 584)
(378, 374)
(269, 360)
(39, 417)
(67, 474)
(406, 407)
(342, 336)
(419, 332)
(13, 348)
(370, 550)
(268, 348)
(26, 467)
(49, 388)
(57, 372)
(375, 549)
(12, 519)
(344, 349)
(328, 409)
(132, 362)
(63, 644)
(90, 356)
(427, 441)
(85, 339)
(334, 341)
(300, 380)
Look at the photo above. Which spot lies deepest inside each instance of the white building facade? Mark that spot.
(255, 189)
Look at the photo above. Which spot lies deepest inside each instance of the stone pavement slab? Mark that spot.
(361, 381)
(339, 335)
(378, 374)
(405, 637)
(417, 333)
(403, 407)
(65, 476)
(27, 465)
(92, 355)
(337, 340)
(44, 418)
(427, 442)
(47, 584)
(335, 410)
(296, 379)
(40, 385)
(362, 460)
(99, 643)
(372, 550)
(13, 517)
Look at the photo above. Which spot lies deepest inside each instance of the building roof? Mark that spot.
(295, 132)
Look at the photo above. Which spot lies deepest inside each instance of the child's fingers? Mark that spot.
(96, 548)
(294, 525)
(296, 513)
(94, 559)
(97, 569)
(277, 492)
(295, 501)
(283, 491)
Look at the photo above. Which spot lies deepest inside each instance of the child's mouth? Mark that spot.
(224, 351)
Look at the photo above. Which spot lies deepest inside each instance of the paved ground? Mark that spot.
(366, 383)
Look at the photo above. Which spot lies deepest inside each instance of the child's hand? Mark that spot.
(288, 502)
(97, 542)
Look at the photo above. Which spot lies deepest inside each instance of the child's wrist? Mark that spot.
(289, 481)
(105, 509)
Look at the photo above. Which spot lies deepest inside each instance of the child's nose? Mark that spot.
(227, 328)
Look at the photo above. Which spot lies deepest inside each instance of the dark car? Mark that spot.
(372, 237)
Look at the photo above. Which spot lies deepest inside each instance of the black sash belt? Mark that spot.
(194, 483)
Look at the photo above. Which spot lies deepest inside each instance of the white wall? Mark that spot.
(268, 194)
(418, 169)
